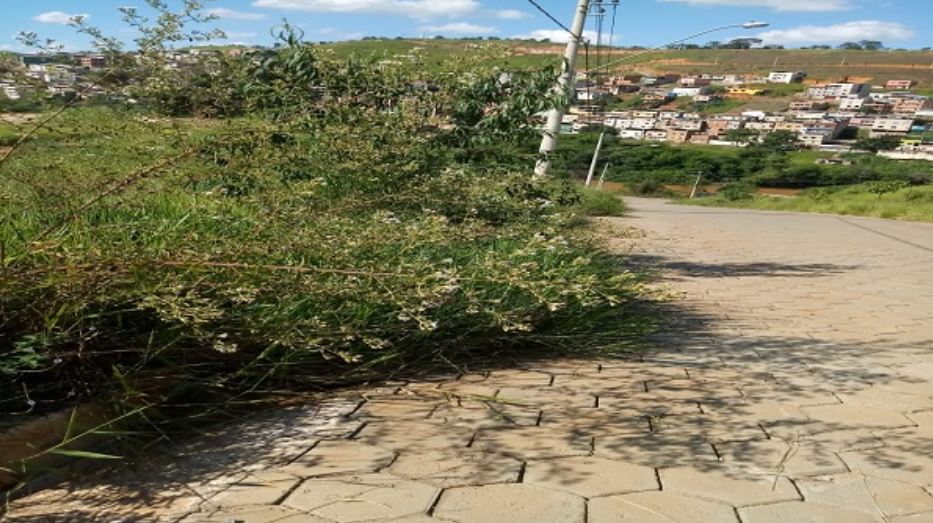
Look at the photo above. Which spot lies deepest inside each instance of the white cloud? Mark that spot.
(230, 14)
(509, 14)
(555, 35)
(778, 5)
(57, 17)
(419, 9)
(830, 34)
(243, 36)
(336, 34)
(460, 28)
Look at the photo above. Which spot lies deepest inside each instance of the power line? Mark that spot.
(555, 20)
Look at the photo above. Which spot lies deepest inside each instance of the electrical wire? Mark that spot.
(555, 20)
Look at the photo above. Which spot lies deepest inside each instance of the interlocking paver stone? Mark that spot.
(658, 507)
(857, 416)
(254, 514)
(339, 457)
(815, 328)
(803, 513)
(362, 498)
(518, 503)
(728, 485)
(590, 477)
(457, 468)
(780, 457)
(533, 442)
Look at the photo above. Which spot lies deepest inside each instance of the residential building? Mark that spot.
(849, 103)
(693, 81)
(911, 105)
(795, 127)
(808, 105)
(632, 134)
(93, 61)
(836, 91)
(688, 124)
(892, 125)
(678, 135)
(644, 123)
(760, 126)
(689, 92)
(656, 136)
(744, 91)
(8, 90)
(699, 138)
(899, 85)
(786, 77)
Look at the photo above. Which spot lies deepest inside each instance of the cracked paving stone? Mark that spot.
(364, 497)
(339, 457)
(457, 468)
(658, 507)
(800, 512)
(590, 477)
(258, 514)
(515, 503)
(728, 485)
(477, 414)
(780, 457)
(858, 416)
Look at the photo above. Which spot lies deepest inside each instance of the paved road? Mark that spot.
(795, 385)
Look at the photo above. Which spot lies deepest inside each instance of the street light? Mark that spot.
(556, 116)
(747, 25)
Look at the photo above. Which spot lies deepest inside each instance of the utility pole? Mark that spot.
(602, 177)
(564, 83)
(599, 146)
(696, 186)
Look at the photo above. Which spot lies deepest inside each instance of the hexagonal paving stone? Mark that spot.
(478, 414)
(728, 485)
(545, 396)
(411, 408)
(614, 422)
(256, 514)
(710, 427)
(516, 503)
(262, 488)
(590, 477)
(339, 457)
(906, 464)
(848, 491)
(415, 435)
(655, 450)
(363, 497)
(657, 507)
(858, 416)
(776, 456)
(799, 512)
(457, 468)
(533, 442)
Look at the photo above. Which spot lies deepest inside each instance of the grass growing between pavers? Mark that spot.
(910, 203)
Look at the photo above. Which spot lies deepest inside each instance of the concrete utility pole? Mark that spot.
(599, 146)
(564, 84)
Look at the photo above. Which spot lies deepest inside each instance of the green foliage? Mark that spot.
(595, 202)
(736, 191)
(880, 143)
(884, 187)
(350, 220)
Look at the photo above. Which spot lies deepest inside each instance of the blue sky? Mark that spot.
(898, 23)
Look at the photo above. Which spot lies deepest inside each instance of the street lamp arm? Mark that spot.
(747, 25)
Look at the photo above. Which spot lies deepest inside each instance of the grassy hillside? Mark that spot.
(820, 64)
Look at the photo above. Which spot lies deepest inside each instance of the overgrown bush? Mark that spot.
(346, 234)
(736, 191)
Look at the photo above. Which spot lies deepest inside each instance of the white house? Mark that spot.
(786, 77)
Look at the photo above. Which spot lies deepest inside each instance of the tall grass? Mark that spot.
(912, 203)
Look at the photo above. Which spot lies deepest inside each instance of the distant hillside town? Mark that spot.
(821, 115)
